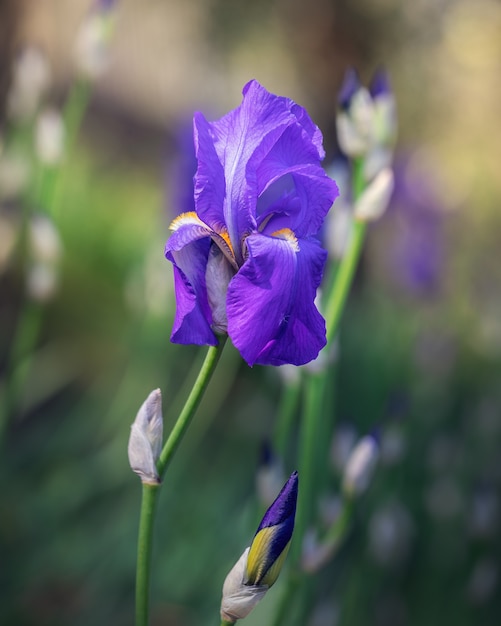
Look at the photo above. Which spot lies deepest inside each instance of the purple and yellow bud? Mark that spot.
(259, 566)
(272, 539)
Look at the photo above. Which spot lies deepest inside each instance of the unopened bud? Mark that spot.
(259, 566)
(360, 466)
(367, 121)
(145, 441)
(355, 125)
(238, 598)
(385, 109)
(375, 198)
(31, 78)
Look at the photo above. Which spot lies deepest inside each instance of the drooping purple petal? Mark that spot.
(272, 318)
(188, 250)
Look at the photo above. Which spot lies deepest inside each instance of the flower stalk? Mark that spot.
(346, 270)
(151, 491)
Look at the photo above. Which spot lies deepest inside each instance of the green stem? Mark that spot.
(19, 362)
(144, 550)
(308, 456)
(150, 492)
(286, 412)
(190, 406)
(226, 623)
(313, 429)
(346, 270)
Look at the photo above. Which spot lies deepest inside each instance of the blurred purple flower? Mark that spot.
(247, 260)
(418, 248)
(106, 5)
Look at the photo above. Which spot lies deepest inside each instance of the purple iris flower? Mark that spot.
(247, 260)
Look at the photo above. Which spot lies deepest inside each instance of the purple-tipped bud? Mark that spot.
(366, 121)
(259, 566)
(351, 84)
(106, 5)
(271, 541)
(380, 84)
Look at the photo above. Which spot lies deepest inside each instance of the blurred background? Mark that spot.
(86, 306)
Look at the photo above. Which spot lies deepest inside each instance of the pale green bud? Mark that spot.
(145, 441)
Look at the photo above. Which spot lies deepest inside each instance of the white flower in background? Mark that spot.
(45, 242)
(49, 136)
(14, 175)
(360, 466)
(45, 251)
(92, 48)
(145, 441)
(30, 80)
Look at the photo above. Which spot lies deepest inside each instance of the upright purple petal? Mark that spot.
(260, 119)
(209, 178)
(272, 318)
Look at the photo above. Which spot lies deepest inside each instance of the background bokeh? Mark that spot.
(419, 347)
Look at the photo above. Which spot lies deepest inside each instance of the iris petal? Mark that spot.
(188, 250)
(272, 318)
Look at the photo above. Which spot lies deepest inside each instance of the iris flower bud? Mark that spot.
(376, 196)
(367, 121)
(355, 120)
(145, 441)
(259, 566)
